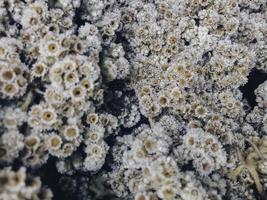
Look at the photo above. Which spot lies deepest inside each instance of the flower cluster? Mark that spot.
(147, 167)
(19, 185)
(13, 73)
(203, 149)
(149, 95)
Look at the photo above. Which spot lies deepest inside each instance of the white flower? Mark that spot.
(95, 134)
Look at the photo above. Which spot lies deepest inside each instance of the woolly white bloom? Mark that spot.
(204, 149)
(88, 30)
(95, 134)
(39, 70)
(13, 118)
(30, 18)
(11, 144)
(48, 116)
(96, 150)
(54, 142)
(71, 132)
(92, 163)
